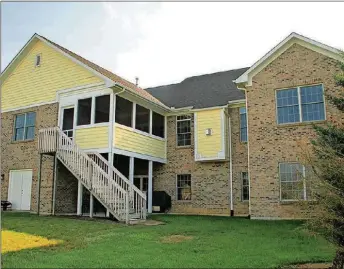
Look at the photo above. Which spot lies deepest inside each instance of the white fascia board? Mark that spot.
(283, 45)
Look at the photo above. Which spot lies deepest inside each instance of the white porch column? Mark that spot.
(150, 186)
(79, 207)
(91, 205)
(131, 169)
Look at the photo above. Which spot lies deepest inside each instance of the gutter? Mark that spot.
(230, 164)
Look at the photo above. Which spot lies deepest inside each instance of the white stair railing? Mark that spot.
(137, 199)
(93, 177)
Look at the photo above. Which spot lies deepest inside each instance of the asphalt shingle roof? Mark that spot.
(201, 91)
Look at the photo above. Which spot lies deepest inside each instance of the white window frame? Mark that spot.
(241, 140)
(177, 120)
(298, 88)
(24, 133)
(303, 180)
(177, 188)
(242, 187)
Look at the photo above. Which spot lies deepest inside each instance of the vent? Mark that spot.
(38, 60)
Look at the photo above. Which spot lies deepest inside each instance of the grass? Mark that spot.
(210, 242)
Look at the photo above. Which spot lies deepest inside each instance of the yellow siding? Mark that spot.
(94, 137)
(28, 85)
(208, 146)
(129, 140)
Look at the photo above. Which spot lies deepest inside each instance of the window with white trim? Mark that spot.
(300, 104)
(292, 181)
(245, 190)
(102, 109)
(184, 187)
(24, 126)
(243, 124)
(183, 130)
(84, 111)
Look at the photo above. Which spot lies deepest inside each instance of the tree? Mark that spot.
(328, 167)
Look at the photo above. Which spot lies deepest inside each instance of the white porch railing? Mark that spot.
(99, 182)
(137, 199)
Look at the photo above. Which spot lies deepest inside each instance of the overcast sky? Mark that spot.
(164, 43)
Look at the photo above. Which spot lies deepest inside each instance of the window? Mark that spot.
(184, 187)
(158, 127)
(301, 104)
(245, 191)
(243, 124)
(183, 130)
(124, 111)
(142, 119)
(38, 60)
(84, 111)
(102, 109)
(292, 179)
(24, 126)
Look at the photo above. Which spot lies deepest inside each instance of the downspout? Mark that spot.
(230, 164)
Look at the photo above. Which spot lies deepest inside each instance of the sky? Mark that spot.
(165, 42)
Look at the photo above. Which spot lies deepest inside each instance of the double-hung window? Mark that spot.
(245, 191)
(183, 130)
(24, 126)
(184, 187)
(243, 124)
(300, 104)
(292, 181)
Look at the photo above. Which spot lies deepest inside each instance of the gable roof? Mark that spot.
(203, 91)
(293, 38)
(103, 73)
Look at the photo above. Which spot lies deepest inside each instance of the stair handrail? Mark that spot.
(128, 185)
(116, 171)
(56, 145)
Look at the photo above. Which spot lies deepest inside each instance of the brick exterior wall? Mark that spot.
(66, 191)
(24, 154)
(270, 143)
(209, 180)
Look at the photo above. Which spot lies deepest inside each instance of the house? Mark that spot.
(79, 139)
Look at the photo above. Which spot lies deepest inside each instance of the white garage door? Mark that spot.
(19, 191)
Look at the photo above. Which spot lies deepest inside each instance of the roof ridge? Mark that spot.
(109, 74)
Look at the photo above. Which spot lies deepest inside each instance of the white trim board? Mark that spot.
(138, 155)
(286, 43)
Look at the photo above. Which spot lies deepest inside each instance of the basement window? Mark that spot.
(158, 128)
(184, 187)
(142, 119)
(124, 111)
(38, 60)
(245, 190)
(84, 111)
(102, 109)
(292, 181)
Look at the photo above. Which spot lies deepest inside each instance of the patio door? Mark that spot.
(68, 121)
(141, 182)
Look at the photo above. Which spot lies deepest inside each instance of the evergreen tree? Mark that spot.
(328, 166)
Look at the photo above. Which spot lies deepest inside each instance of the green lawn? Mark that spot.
(213, 242)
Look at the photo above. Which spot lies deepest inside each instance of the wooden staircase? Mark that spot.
(111, 188)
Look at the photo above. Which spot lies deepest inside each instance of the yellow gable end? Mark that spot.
(29, 85)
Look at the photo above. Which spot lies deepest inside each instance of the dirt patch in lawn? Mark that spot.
(176, 238)
(314, 265)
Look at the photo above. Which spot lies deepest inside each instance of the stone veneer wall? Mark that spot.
(24, 154)
(209, 180)
(270, 143)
